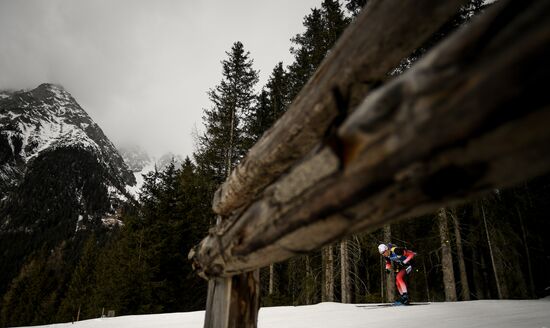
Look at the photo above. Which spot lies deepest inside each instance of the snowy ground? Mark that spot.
(489, 313)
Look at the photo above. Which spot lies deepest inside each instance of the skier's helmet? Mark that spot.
(382, 248)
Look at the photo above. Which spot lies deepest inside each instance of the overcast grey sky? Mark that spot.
(141, 69)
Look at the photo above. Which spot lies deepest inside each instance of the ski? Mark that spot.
(390, 304)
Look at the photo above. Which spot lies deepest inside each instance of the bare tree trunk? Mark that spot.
(292, 280)
(367, 277)
(465, 287)
(497, 280)
(480, 280)
(355, 256)
(426, 280)
(330, 274)
(328, 284)
(478, 277)
(271, 274)
(344, 272)
(390, 278)
(485, 272)
(309, 290)
(527, 253)
(446, 258)
(500, 270)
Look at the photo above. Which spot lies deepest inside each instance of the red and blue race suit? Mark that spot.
(399, 259)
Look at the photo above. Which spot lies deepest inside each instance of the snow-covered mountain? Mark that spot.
(61, 179)
(52, 151)
(142, 163)
(135, 157)
(43, 120)
(138, 160)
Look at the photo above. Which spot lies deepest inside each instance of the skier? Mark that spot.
(399, 259)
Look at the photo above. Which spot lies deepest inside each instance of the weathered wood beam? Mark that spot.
(385, 33)
(245, 300)
(218, 301)
(473, 115)
(233, 302)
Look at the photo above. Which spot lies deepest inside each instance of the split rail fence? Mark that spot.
(358, 148)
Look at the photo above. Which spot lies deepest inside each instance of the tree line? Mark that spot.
(493, 247)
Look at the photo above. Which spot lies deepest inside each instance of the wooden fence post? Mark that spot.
(217, 303)
(233, 302)
(245, 300)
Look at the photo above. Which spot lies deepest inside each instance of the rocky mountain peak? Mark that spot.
(47, 118)
(45, 90)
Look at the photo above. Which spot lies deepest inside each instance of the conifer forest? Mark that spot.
(492, 247)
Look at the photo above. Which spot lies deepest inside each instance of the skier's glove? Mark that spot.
(388, 271)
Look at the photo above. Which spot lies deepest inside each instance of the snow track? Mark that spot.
(487, 313)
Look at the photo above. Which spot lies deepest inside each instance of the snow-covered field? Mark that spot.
(487, 313)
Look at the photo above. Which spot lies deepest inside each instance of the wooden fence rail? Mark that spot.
(469, 117)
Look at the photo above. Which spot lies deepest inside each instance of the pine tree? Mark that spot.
(33, 296)
(335, 22)
(79, 290)
(309, 50)
(278, 90)
(260, 119)
(323, 27)
(271, 104)
(222, 144)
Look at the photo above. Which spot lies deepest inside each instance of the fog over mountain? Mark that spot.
(141, 68)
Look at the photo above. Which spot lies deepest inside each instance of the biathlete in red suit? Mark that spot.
(399, 259)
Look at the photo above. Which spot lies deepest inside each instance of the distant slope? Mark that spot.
(487, 313)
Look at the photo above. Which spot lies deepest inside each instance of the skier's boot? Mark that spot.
(402, 300)
(405, 299)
